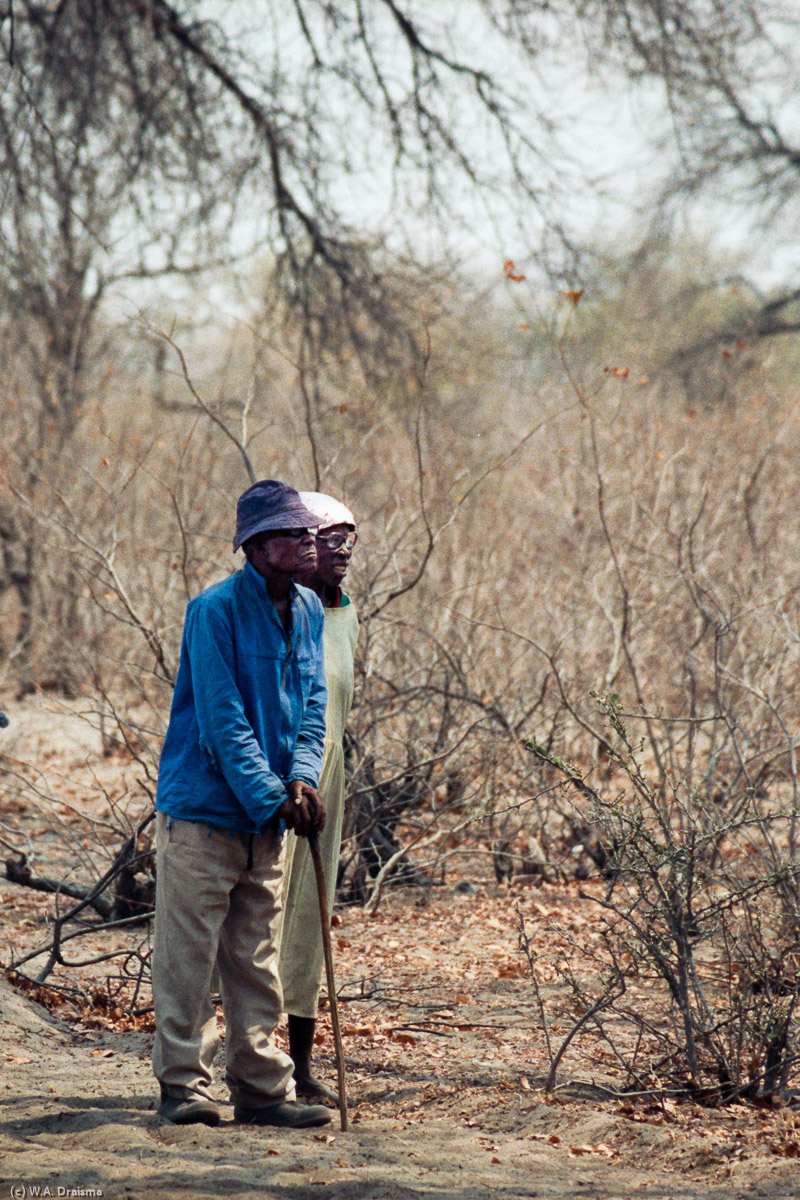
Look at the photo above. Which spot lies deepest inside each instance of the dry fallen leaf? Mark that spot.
(574, 294)
(511, 970)
(510, 271)
(365, 1030)
(786, 1149)
(405, 1039)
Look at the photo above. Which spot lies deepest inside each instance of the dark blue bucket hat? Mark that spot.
(270, 504)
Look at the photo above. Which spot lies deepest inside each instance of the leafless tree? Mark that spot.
(727, 71)
(136, 136)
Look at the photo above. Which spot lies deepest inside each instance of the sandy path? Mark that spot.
(79, 1115)
(442, 1059)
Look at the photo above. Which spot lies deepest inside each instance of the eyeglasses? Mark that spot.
(335, 541)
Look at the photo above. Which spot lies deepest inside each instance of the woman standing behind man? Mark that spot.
(301, 955)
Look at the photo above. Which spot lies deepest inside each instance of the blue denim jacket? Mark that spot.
(248, 712)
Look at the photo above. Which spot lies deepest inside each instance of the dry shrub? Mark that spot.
(696, 948)
(517, 551)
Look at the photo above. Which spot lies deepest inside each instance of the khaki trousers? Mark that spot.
(217, 901)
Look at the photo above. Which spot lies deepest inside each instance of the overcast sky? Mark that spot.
(610, 154)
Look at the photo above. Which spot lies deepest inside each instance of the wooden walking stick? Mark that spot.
(322, 893)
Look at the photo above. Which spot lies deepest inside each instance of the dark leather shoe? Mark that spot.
(287, 1114)
(314, 1091)
(194, 1111)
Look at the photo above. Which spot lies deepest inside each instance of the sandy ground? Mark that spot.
(444, 1060)
(79, 1115)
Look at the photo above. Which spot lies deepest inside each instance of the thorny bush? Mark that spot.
(697, 950)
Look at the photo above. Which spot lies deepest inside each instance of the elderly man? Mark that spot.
(240, 763)
(301, 954)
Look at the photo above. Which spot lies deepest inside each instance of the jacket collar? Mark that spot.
(260, 584)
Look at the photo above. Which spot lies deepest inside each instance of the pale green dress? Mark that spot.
(301, 959)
